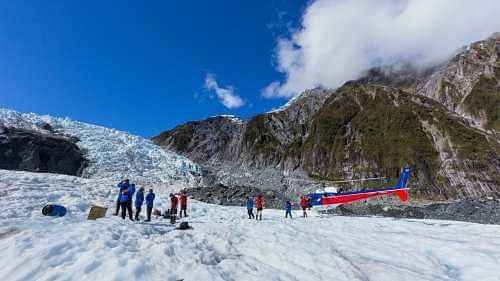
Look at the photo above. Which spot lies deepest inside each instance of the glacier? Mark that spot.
(113, 154)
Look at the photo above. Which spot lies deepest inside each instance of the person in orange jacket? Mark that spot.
(183, 202)
(259, 204)
(304, 204)
(173, 207)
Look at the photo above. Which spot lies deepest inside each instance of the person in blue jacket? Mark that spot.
(149, 204)
(126, 201)
(288, 209)
(139, 200)
(131, 191)
(124, 184)
(250, 207)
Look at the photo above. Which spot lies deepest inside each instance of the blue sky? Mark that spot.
(140, 66)
(147, 66)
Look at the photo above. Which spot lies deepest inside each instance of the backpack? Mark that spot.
(184, 225)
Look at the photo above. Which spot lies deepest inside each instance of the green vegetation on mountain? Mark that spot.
(484, 100)
(375, 130)
(181, 137)
(367, 124)
(259, 136)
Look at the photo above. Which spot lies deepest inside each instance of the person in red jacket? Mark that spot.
(304, 204)
(259, 204)
(173, 207)
(183, 200)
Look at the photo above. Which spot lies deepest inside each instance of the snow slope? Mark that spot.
(223, 244)
(112, 153)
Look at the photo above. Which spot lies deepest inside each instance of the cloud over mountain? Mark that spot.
(338, 39)
(225, 95)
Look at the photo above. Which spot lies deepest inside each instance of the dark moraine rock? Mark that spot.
(29, 150)
(235, 195)
(483, 210)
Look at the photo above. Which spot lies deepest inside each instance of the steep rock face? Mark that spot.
(254, 152)
(205, 141)
(468, 83)
(28, 150)
(275, 138)
(368, 130)
(266, 139)
(483, 102)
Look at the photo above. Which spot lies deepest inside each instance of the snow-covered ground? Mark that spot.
(223, 244)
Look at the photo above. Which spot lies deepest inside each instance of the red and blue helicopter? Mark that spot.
(337, 198)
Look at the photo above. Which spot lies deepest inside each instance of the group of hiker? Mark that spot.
(127, 191)
(174, 202)
(126, 197)
(259, 204)
(305, 204)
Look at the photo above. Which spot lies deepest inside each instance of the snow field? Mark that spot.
(223, 244)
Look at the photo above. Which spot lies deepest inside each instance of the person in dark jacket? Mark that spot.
(131, 191)
(173, 207)
(288, 209)
(139, 200)
(124, 184)
(250, 207)
(183, 202)
(149, 204)
(125, 202)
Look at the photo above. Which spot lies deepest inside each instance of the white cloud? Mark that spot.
(339, 39)
(270, 89)
(225, 95)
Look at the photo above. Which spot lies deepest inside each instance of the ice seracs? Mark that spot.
(112, 153)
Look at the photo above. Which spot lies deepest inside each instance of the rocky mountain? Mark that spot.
(29, 150)
(256, 152)
(210, 140)
(443, 121)
(469, 84)
(372, 130)
(275, 138)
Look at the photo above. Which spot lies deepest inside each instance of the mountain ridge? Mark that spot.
(442, 120)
